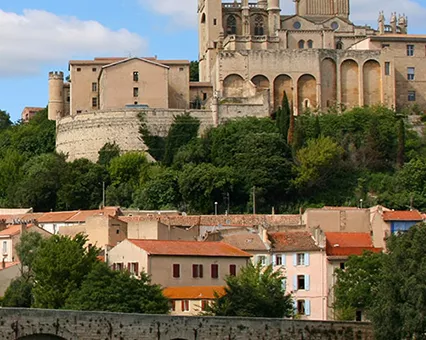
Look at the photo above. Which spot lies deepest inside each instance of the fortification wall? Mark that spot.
(83, 135)
(68, 325)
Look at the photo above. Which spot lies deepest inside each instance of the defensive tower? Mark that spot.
(56, 97)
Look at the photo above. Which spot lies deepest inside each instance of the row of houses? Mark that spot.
(190, 256)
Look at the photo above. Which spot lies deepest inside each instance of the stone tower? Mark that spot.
(326, 8)
(274, 16)
(56, 97)
(210, 30)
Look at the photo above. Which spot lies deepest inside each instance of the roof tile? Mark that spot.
(413, 215)
(346, 244)
(293, 241)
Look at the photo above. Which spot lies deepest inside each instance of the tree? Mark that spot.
(194, 71)
(254, 292)
(118, 292)
(107, 153)
(156, 144)
(183, 129)
(19, 293)
(27, 250)
(401, 144)
(128, 168)
(290, 135)
(60, 267)
(5, 121)
(357, 284)
(283, 116)
(399, 306)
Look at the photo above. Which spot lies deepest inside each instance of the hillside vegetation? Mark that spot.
(367, 154)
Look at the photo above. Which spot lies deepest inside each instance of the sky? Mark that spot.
(38, 36)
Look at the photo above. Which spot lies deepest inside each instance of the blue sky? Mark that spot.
(39, 36)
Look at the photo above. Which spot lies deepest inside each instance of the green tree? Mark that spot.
(60, 267)
(357, 284)
(128, 168)
(183, 129)
(107, 153)
(283, 116)
(5, 121)
(156, 144)
(117, 292)
(193, 71)
(399, 304)
(401, 144)
(27, 250)
(254, 292)
(19, 293)
(11, 173)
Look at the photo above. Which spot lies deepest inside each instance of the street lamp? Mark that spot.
(215, 208)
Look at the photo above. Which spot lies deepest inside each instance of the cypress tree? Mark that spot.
(317, 128)
(283, 116)
(290, 134)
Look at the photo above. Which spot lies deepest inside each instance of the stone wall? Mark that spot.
(50, 324)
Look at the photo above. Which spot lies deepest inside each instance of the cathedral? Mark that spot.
(317, 55)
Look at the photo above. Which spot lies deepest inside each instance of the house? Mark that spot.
(103, 231)
(191, 300)
(179, 263)
(301, 260)
(11, 236)
(339, 246)
(387, 222)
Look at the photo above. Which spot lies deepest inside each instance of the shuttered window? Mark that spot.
(176, 270)
(215, 271)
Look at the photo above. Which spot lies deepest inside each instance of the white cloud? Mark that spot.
(183, 13)
(36, 38)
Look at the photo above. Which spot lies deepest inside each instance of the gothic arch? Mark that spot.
(310, 44)
(231, 24)
(328, 83)
(372, 82)
(307, 92)
(301, 44)
(339, 45)
(261, 82)
(282, 83)
(233, 86)
(259, 25)
(349, 70)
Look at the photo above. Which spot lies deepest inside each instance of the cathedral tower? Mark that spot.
(324, 8)
(209, 32)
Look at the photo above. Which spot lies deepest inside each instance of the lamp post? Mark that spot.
(215, 208)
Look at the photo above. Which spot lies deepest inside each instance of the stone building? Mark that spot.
(249, 54)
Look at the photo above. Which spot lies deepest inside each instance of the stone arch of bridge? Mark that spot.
(41, 337)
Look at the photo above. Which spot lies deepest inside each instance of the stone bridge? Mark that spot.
(28, 324)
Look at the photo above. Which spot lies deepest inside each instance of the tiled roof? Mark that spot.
(217, 220)
(189, 248)
(59, 216)
(246, 241)
(345, 244)
(82, 215)
(413, 215)
(13, 230)
(293, 241)
(193, 292)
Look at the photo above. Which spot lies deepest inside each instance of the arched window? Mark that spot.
(203, 18)
(339, 45)
(258, 25)
(231, 25)
(310, 44)
(301, 44)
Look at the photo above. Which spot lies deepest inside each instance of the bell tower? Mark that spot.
(210, 29)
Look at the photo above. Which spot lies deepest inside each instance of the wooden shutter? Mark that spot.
(136, 268)
(200, 270)
(215, 271)
(128, 266)
(176, 270)
(114, 266)
(195, 270)
(233, 270)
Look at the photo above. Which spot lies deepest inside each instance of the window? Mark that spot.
(358, 315)
(300, 282)
(411, 73)
(136, 103)
(185, 305)
(215, 271)
(385, 45)
(4, 247)
(173, 305)
(136, 92)
(342, 265)
(94, 87)
(78, 69)
(301, 44)
(231, 25)
(301, 307)
(310, 44)
(197, 271)
(204, 96)
(297, 25)
(258, 25)
(118, 266)
(279, 260)
(339, 45)
(176, 271)
(133, 268)
(78, 111)
(300, 259)
(136, 76)
(334, 25)
(232, 270)
(94, 69)
(68, 99)
(94, 102)
(410, 50)
(411, 96)
(387, 68)
(204, 305)
(180, 69)
(262, 260)
(214, 21)
(117, 231)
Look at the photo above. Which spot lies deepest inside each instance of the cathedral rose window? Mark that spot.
(334, 25)
(297, 25)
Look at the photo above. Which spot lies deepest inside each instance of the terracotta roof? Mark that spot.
(193, 292)
(60, 216)
(345, 244)
(292, 241)
(82, 215)
(13, 230)
(413, 215)
(189, 248)
(246, 241)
